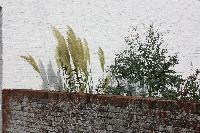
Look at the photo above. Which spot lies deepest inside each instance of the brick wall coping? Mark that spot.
(115, 100)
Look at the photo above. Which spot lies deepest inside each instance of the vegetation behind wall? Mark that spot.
(144, 68)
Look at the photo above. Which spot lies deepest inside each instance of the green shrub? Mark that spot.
(190, 90)
(144, 65)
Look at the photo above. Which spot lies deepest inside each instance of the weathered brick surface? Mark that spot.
(41, 111)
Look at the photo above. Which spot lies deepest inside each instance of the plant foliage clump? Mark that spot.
(190, 88)
(144, 66)
(73, 59)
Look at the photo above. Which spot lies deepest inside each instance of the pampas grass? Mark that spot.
(73, 60)
(101, 58)
(32, 62)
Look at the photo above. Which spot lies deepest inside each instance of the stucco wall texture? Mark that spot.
(27, 30)
(28, 111)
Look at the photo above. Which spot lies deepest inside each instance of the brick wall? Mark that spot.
(49, 112)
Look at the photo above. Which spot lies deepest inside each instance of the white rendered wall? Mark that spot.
(105, 23)
(1, 50)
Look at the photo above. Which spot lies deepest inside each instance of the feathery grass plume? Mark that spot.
(82, 59)
(43, 74)
(86, 51)
(73, 53)
(106, 82)
(32, 62)
(77, 51)
(73, 47)
(52, 77)
(59, 85)
(101, 58)
(62, 51)
(86, 58)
